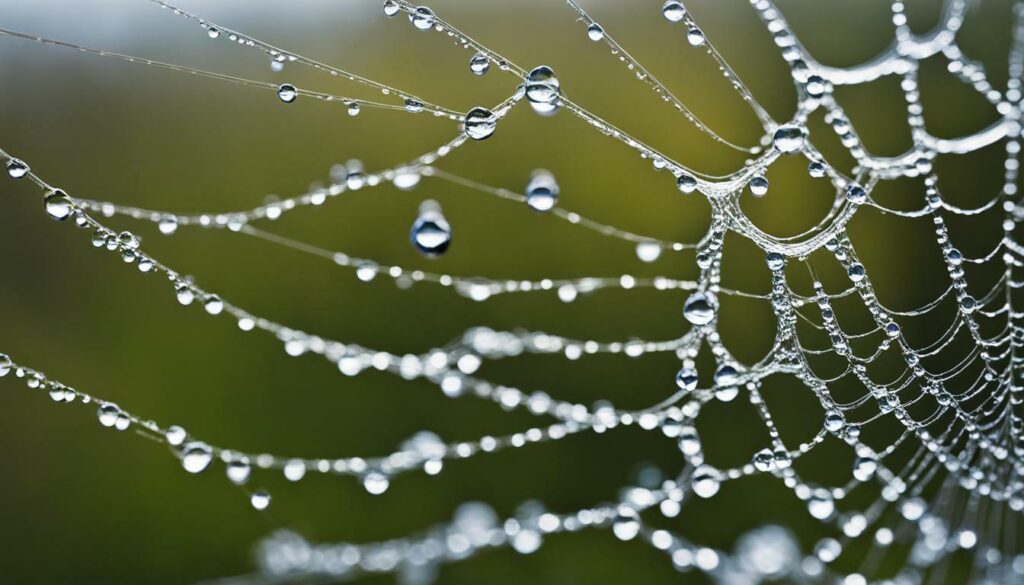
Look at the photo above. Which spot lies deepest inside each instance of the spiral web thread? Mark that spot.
(954, 486)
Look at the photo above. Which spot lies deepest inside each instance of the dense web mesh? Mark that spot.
(946, 484)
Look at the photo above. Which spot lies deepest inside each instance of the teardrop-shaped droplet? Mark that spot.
(595, 32)
(816, 169)
(430, 233)
(479, 64)
(287, 93)
(58, 205)
(196, 457)
(541, 191)
(480, 123)
(422, 18)
(699, 308)
(16, 169)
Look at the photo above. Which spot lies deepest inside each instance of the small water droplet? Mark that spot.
(788, 138)
(673, 11)
(479, 64)
(541, 191)
(238, 471)
(422, 18)
(699, 308)
(17, 169)
(816, 169)
(175, 435)
(413, 106)
(58, 205)
(480, 123)
(695, 36)
(821, 505)
(834, 420)
(213, 304)
(184, 294)
(856, 194)
(196, 457)
(167, 225)
(864, 467)
(107, 414)
(706, 481)
(287, 93)
(758, 186)
(5, 365)
(776, 261)
(376, 483)
(595, 32)
(391, 8)
(431, 234)
(353, 109)
(686, 379)
(543, 90)
(648, 251)
(213, 33)
(260, 500)
(764, 460)
(686, 183)
(626, 524)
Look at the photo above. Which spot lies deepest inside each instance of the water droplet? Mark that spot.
(595, 32)
(695, 36)
(541, 191)
(406, 178)
(856, 194)
(689, 441)
(687, 379)
(864, 468)
(287, 93)
(213, 305)
(294, 469)
(391, 8)
(376, 483)
(213, 33)
(834, 420)
(16, 168)
(673, 11)
(758, 186)
(480, 123)
(167, 225)
(726, 375)
(260, 500)
(5, 365)
(422, 18)
(239, 470)
(686, 183)
(58, 205)
(856, 272)
(107, 414)
(648, 251)
(353, 109)
(196, 457)
(706, 481)
(626, 524)
(775, 261)
(788, 138)
(816, 169)
(479, 64)
(430, 233)
(184, 294)
(175, 435)
(699, 308)
(543, 90)
(764, 460)
(128, 241)
(821, 505)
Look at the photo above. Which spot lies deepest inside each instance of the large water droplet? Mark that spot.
(58, 205)
(107, 414)
(695, 36)
(834, 420)
(626, 524)
(213, 304)
(287, 93)
(648, 251)
(391, 8)
(673, 11)
(758, 186)
(699, 308)
(686, 379)
(480, 123)
(260, 500)
(167, 225)
(5, 365)
(479, 64)
(775, 261)
(238, 471)
(864, 467)
(856, 194)
(821, 505)
(196, 457)
(541, 191)
(595, 32)
(706, 481)
(422, 18)
(16, 168)
(686, 183)
(430, 233)
(376, 483)
(543, 90)
(788, 138)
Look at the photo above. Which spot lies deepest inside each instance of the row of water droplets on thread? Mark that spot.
(977, 447)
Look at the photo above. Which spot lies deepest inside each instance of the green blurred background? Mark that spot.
(83, 504)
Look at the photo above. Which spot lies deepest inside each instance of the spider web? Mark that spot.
(949, 483)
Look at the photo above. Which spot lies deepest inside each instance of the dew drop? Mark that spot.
(287, 93)
(353, 109)
(167, 225)
(776, 261)
(706, 481)
(479, 64)
(430, 233)
(816, 169)
(856, 272)
(626, 524)
(758, 186)
(422, 18)
(58, 205)
(213, 33)
(543, 90)
(648, 251)
(699, 308)
(260, 500)
(764, 460)
(5, 365)
(695, 36)
(595, 32)
(175, 435)
(834, 420)
(686, 379)
(413, 106)
(184, 294)
(480, 123)
(17, 169)
(213, 305)
(107, 414)
(788, 138)
(196, 457)
(864, 468)
(376, 483)
(821, 505)
(686, 183)
(673, 11)
(541, 191)
(391, 8)
(856, 194)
